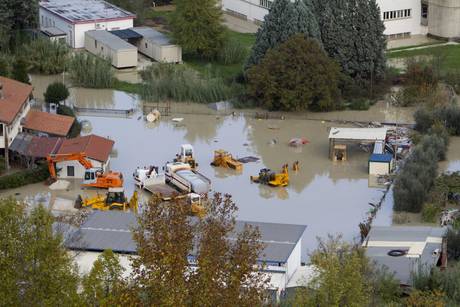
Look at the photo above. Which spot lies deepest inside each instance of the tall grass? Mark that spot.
(180, 83)
(46, 57)
(90, 71)
(233, 52)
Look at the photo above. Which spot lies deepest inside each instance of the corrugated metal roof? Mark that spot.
(368, 134)
(111, 230)
(53, 31)
(404, 233)
(109, 39)
(20, 143)
(153, 36)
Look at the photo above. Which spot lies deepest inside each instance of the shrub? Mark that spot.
(180, 83)
(447, 116)
(56, 92)
(233, 52)
(46, 57)
(453, 79)
(19, 72)
(296, 75)
(359, 104)
(24, 177)
(453, 248)
(430, 213)
(90, 71)
(5, 65)
(76, 126)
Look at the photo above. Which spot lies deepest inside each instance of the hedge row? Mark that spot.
(24, 177)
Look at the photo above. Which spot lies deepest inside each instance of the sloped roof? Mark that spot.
(112, 230)
(95, 147)
(15, 94)
(54, 124)
(35, 146)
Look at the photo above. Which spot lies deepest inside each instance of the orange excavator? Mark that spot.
(94, 177)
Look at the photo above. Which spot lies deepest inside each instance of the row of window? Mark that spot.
(397, 14)
(266, 3)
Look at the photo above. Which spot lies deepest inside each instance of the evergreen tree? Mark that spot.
(56, 92)
(15, 16)
(20, 71)
(307, 22)
(35, 268)
(197, 27)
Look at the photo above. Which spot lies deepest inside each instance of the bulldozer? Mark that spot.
(187, 155)
(114, 199)
(224, 159)
(94, 177)
(271, 178)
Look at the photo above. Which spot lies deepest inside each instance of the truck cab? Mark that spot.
(187, 155)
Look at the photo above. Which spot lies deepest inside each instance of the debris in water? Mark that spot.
(296, 142)
(273, 127)
(248, 159)
(177, 119)
(272, 142)
(245, 144)
(153, 116)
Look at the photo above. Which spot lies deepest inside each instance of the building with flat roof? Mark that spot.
(406, 249)
(106, 45)
(402, 18)
(75, 17)
(112, 230)
(157, 46)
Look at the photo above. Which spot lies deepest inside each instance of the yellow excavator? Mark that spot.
(224, 159)
(114, 199)
(271, 178)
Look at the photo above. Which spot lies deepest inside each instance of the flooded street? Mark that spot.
(327, 197)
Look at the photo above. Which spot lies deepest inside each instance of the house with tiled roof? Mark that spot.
(96, 148)
(15, 98)
(47, 124)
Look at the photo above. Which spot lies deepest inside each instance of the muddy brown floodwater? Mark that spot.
(330, 198)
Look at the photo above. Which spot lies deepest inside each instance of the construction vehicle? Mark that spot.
(114, 199)
(94, 177)
(149, 179)
(187, 155)
(185, 179)
(271, 178)
(224, 159)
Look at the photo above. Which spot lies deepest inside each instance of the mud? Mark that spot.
(327, 197)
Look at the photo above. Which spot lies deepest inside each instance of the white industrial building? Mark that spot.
(75, 17)
(402, 18)
(111, 230)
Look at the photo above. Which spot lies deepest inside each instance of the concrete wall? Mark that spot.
(78, 168)
(119, 59)
(249, 9)
(410, 25)
(444, 18)
(165, 54)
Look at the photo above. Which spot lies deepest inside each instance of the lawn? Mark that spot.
(450, 55)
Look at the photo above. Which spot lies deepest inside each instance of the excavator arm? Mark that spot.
(55, 158)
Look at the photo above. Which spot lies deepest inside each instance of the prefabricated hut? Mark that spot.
(380, 164)
(104, 44)
(157, 46)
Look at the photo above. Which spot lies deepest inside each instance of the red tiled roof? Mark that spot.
(49, 123)
(95, 147)
(41, 147)
(15, 94)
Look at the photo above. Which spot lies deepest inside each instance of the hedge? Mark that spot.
(24, 177)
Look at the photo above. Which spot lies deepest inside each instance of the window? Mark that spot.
(1, 129)
(70, 171)
(424, 10)
(396, 14)
(266, 3)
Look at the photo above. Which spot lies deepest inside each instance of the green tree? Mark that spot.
(20, 71)
(197, 27)
(16, 16)
(46, 57)
(295, 76)
(35, 267)
(166, 237)
(56, 92)
(104, 283)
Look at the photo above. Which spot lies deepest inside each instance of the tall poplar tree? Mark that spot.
(197, 27)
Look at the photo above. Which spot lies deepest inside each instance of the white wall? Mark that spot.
(165, 54)
(15, 127)
(379, 168)
(403, 25)
(444, 18)
(85, 261)
(49, 20)
(79, 169)
(250, 8)
(294, 260)
(119, 59)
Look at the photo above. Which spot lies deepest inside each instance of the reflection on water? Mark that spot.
(327, 197)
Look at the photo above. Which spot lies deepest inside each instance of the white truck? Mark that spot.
(184, 178)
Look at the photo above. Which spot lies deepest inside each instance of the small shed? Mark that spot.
(105, 44)
(380, 164)
(54, 34)
(157, 46)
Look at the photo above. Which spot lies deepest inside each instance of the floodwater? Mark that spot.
(327, 197)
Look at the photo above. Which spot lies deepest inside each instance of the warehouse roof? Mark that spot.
(112, 230)
(53, 124)
(153, 36)
(15, 94)
(368, 134)
(421, 247)
(95, 147)
(109, 39)
(84, 11)
(35, 146)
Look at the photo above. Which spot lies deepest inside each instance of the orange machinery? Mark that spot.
(94, 177)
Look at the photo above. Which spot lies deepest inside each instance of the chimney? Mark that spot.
(1, 90)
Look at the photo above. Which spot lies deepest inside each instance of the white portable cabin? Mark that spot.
(381, 164)
(157, 46)
(104, 44)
